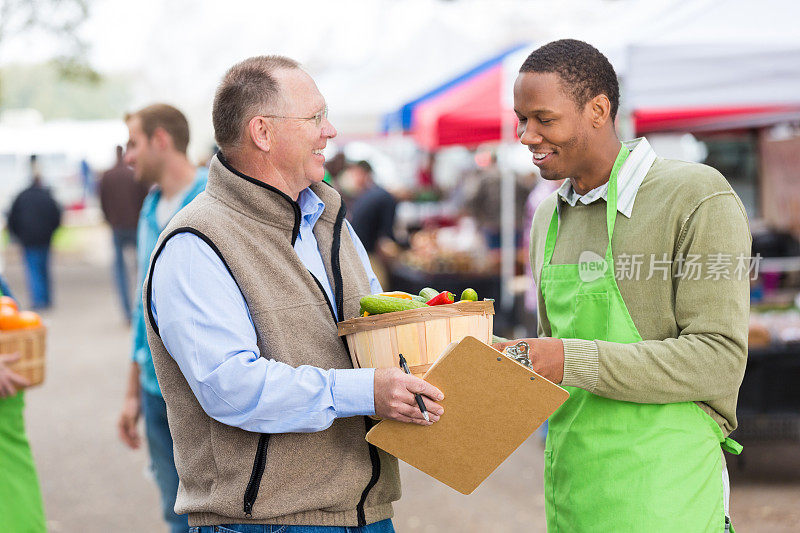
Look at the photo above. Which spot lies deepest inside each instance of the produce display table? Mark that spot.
(408, 279)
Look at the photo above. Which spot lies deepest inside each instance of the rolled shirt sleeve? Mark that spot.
(206, 326)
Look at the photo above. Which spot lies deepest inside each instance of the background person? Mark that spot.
(33, 218)
(372, 215)
(158, 138)
(121, 197)
(20, 498)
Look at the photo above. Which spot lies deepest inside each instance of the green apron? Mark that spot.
(20, 499)
(614, 466)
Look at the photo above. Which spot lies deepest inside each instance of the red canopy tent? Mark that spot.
(699, 119)
(469, 114)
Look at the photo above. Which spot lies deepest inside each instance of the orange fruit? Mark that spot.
(29, 319)
(9, 317)
(8, 301)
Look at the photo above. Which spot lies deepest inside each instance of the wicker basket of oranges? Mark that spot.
(22, 332)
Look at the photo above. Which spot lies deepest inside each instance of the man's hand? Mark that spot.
(131, 410)
(394, 397)
(10, 382)
(546, 355)
(128, 420)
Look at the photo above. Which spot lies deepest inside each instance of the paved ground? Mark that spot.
(93, 484)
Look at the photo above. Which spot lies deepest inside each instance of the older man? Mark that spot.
(244, 292)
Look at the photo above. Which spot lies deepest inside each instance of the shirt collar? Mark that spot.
(629, 179)
(311, 206)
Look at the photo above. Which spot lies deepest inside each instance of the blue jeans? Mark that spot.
(162, 461)
(384, 526)
(37, 266)
(123, 238)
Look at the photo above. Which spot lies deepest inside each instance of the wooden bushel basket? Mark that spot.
(30, 345)
(419, 334)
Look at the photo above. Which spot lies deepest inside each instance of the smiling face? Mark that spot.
(552, 125)
(297, 145)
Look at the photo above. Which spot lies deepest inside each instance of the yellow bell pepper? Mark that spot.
(397, 294)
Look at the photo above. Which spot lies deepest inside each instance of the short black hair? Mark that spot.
(584, 69)
(363, 165)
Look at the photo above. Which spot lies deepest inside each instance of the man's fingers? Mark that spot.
(430, 405)
(420, 386)
(128, 433)
(17, 380)
(8, 358)
(6, 389)
(413, 416)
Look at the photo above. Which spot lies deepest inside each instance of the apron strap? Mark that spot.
(552, 232)
(611, 202)
(731, 446)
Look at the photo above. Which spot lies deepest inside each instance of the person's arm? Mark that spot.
(387, 216)
(13, 215)
(103, 192)
(132, 402)
(374, 284)
(206, 326)
(131, 410)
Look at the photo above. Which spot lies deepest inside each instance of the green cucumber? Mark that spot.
(419, 298)
(376, 304)
(428, 293)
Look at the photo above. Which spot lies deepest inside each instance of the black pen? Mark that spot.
(421, 404)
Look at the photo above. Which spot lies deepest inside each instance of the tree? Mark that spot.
(57, 19)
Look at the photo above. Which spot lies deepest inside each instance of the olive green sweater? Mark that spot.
(693, 322)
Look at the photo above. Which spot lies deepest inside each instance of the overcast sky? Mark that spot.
(368, 56)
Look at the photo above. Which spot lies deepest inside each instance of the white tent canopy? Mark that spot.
(715, 54)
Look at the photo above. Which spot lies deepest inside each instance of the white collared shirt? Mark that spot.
(629, 179)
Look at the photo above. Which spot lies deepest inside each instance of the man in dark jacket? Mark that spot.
(33, 219)
(121, 197)
(372, 216)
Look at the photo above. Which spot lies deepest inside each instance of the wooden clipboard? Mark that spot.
(492, 404)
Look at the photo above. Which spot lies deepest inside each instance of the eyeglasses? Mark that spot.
(316, 118)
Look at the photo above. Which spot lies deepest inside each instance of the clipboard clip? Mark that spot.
(520, 353)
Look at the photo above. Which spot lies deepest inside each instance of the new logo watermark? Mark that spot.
(636, 267)
(591, 266)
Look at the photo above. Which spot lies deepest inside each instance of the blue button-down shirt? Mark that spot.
(206, 326)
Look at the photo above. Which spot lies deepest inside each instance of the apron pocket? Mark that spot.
(591, 316)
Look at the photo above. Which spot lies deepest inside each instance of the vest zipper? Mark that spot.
(373, 480)
(336, 267)
(253, 485)
(339, 295)
(325, 295)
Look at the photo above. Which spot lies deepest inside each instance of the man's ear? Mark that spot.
(600, 109)
(260, 132)
(161, 138)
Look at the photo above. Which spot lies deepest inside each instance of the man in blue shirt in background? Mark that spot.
(158, 138)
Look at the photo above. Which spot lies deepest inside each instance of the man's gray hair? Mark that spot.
(246, 90)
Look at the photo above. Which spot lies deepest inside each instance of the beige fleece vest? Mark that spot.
(316, 478)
